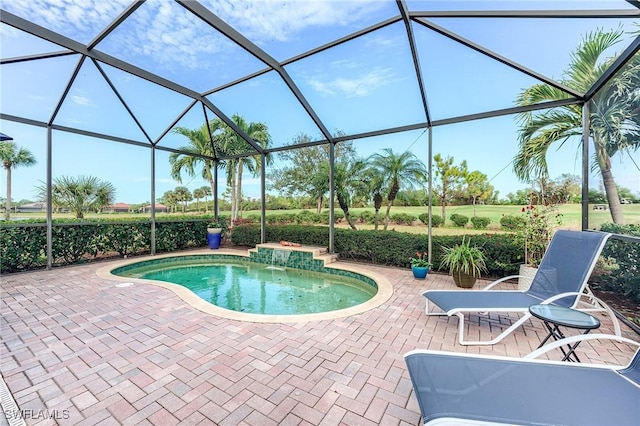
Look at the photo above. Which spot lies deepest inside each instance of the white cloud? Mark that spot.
(76, 19)
(359, 86)
(265, 20)
(37, 98)
(81, 100)
(174, 38)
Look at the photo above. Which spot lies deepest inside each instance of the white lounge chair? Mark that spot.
(463, 389)
(561, 279)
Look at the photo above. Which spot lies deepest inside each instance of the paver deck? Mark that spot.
(78, 350)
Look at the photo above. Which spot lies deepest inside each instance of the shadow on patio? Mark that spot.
(83, 351)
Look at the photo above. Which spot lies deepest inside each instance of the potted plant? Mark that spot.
(420, 265)
(538, 225)
(214, 234)
(465, 263)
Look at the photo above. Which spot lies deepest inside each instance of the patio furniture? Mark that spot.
(459, 389)
(561, 279)
(555, 317)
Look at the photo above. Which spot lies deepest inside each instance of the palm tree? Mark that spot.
(233, 144)
(206, 193)
(398, 170)
(200, 143)
(614, 115)
(374, 182)
(79, 195)
(182, 194)
(169, 200)
(348, 181)
(198, 194)
(12, 157)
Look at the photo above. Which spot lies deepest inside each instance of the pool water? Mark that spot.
(260, 289)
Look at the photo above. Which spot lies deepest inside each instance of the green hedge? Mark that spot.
(387, 247)
(23, 248)
(23, 245)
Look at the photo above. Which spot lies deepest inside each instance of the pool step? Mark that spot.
(328, 258)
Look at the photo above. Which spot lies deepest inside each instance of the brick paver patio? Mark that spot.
(78, 348)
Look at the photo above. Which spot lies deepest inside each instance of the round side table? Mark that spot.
(555, 316)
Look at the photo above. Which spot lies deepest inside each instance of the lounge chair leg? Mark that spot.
(597, 305)
(426, 310)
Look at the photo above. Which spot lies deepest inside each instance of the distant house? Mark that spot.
(119, 208)
(160, 208)
(31, 208)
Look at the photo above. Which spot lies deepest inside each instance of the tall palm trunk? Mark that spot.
(233, 192)
(610, 188)
(239, 189)
(377, 204)
(345, 209)
(392, 196)
(386, 216)
(212, 183)
(7, 208)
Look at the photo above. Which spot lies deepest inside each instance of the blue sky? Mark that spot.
(362, 85)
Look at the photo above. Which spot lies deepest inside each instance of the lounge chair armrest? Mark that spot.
(560, 296)
(501, 280)
(579, 338)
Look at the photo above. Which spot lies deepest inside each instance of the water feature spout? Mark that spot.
(279, 259)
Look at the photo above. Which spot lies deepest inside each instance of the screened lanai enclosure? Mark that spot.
(111, 89)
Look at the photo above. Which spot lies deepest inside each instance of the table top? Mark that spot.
(566, 317)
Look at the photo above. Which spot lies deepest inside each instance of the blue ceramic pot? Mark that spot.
(214, 240)
(420, 272)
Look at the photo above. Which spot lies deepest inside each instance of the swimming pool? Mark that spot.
(251, 288)
(259, 289)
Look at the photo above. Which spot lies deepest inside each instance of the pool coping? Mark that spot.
(384, 293)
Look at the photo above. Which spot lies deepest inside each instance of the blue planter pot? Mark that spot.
(420, 272)
(214, 240)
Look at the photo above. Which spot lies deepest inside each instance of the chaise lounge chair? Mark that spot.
(463, 389)
(561, 279)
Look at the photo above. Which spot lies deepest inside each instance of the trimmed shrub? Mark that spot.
(387, 247)
(512, 223)
(281, 219)
(459, 219)
(366, 216)
(403, 218)
(308, 217)
(246, 220)
(436, 220)
(338, 216)
(480, 222)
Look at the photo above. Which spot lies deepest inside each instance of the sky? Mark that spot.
(363, 85)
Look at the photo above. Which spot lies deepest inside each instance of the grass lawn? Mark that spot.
(571, 216)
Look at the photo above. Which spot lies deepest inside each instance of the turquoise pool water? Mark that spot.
(257, 288)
